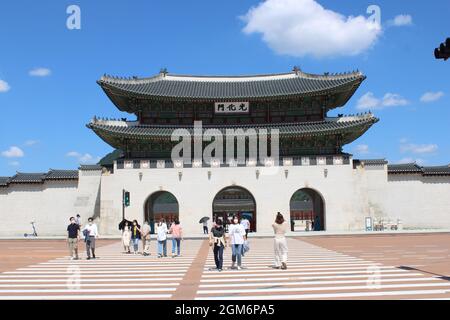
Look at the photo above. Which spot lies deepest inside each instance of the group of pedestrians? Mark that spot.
(219, 239)
(133, 234)
(74, 232)
(236, 237)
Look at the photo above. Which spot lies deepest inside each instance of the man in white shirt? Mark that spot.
(236, 235)
(90, 231)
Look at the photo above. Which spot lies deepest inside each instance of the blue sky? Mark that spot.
(43, 113)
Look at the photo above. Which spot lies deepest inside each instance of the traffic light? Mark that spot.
(443, 52)
(126, 198)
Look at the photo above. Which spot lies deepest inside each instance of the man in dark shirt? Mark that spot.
(73, 236)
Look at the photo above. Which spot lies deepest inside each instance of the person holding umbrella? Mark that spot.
(204, 221)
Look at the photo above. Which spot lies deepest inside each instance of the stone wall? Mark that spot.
(349, 194)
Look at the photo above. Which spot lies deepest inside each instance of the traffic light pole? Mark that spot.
(123, 204)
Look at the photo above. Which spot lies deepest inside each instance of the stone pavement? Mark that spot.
(318, 268)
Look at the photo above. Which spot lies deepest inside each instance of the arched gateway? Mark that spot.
(232, 201)
(161, 204)
(307, 210)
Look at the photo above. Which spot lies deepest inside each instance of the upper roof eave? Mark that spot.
(265, 87)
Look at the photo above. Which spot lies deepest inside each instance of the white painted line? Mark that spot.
(266, 269)
(87, 290)
(308, 283)
(128, 284)
(327, 295)
(82, 280)
(332, 288)
(89, 275)
(236, 274)
(85, 297)
(84, 272)
(365, 276)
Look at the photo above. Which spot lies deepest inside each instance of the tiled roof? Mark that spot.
(404, 168)
(329, 126)
(436, 170)
(90, 167)
(21, 177)
(414, 168)
(230, 87)
(4, 181)
(61, 174)
(373, 162)
(39, 177)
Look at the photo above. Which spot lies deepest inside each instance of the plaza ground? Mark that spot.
(400, 266)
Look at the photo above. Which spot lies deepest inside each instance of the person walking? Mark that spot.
(73, 236)
(236, 235)
(126, 238)
(177, 236)
(205, 227)
(90, 232)
(161, 235)
(145, 235)
(317, 224)
(218, 242)
(280, 243)
(246, 224)
(135, 236)
(78, 220)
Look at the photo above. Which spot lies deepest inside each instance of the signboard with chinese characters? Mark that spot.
(231, 107)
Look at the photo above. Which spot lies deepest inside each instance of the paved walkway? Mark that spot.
(314, 272)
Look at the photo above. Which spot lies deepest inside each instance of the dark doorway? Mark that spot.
(161, 204)
(235, 201)
(307, 211)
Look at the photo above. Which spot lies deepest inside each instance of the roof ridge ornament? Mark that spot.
(163, 72)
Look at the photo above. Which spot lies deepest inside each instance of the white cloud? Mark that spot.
(13, 152)
(401, 20)
(418, 148)
(431, 96)
(4, 86)
(40, 72)
(304, 27)
(362, 149)
(30, 143)
(370, 102)
(83, 158)
(418, 161)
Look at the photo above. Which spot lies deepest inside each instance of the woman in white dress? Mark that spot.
(126, 238)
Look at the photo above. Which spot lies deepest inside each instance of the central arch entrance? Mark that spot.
(307, 211)
(161, 204)
(234, 201)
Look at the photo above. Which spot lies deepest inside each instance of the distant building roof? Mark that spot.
(90, 167)
(404, 168)
(61, 174)
(4, 181)
(39, 177)
(373, 162)
(415, 168)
